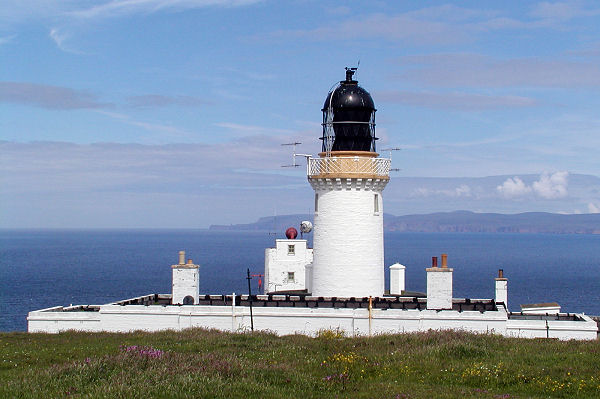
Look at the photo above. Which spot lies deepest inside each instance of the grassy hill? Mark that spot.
(208, 364)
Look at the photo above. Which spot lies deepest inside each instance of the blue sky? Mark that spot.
(156, 113)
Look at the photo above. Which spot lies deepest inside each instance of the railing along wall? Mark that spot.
(377, 167)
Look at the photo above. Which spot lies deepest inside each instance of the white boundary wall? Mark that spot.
(309, 321)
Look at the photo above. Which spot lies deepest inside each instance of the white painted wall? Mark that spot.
(541, 310)
(307, 321)
(561, 329)
(308, 276)
(439, 288)
(279, 262)
(348, 238)
(397, 279)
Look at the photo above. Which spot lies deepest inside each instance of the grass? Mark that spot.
(200, 363)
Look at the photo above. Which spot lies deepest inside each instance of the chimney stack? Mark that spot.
(439, 285)
(397, 279)
(186, 282)
(502, 289)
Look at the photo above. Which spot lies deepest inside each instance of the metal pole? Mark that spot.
(370, 313)
(250, 299)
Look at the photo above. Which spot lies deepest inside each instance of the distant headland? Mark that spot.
(454, 222)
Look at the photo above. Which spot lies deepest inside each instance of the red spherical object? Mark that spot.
(291, 233)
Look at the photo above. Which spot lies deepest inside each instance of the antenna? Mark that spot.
(294, 155)
(390, 150)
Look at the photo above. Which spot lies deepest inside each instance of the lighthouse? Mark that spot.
(348, 178)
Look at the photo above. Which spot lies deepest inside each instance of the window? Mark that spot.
(376, 203)
(291, 249)
(188, 300)
(316, 202)
(291, 278)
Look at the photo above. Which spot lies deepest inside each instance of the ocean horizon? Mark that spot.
(40, 268)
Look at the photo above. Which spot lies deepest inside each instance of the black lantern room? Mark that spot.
(349, 117)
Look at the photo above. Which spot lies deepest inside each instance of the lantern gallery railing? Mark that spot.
(365, 167)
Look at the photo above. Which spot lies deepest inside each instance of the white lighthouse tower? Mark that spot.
(348, 179)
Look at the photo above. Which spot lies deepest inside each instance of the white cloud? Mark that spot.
(159, 100)
(60, 37)
(6, 39)
(549, 186)
(461, 191)
(172, 131)
(116, 8)
(455, 100)
(164, 185)
(49, 97)
(513, 188)
(408, 27)
(552, 186)
(562, 11)
(251, 129)
(474, 70)
(593, 208)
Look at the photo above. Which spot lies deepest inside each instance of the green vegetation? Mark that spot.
(205, 364)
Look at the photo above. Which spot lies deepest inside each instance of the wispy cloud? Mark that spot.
(404, 27)
(65, 98)
(445, 24)
(159, 100)
(462, 190)
(60, 39)
(49, 97)
(455, 100)
(474, 70)
(6, 39)
(175, 132)
(562, 11)
(117, 8)
(251, 128)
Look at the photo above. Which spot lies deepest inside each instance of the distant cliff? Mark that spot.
(459, 221)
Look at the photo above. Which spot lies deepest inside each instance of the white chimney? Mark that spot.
(397, 279)
(186, 282)
(439, 285)
(502, 289)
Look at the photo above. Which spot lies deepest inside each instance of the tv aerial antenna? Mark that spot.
(294, 155)
(390, 150)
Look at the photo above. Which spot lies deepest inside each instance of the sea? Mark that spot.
(44, 268)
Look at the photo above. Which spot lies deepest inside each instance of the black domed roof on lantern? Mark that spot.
(348, 117)
(349, 95)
